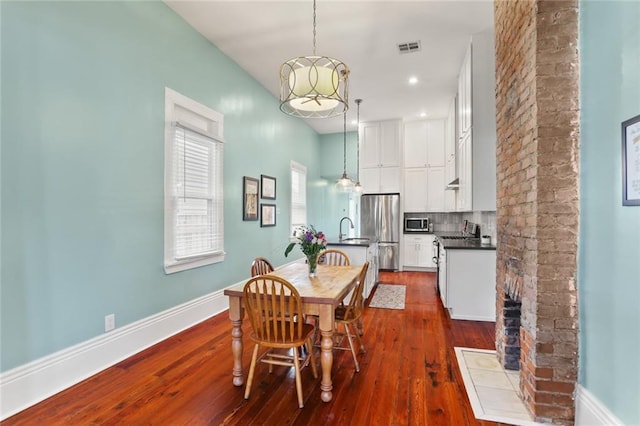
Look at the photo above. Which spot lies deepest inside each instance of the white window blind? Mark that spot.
(197, 194)
(194, 225)
(298, 196)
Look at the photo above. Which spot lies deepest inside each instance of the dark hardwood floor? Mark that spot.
(409, 376)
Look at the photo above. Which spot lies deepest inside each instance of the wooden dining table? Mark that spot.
(320, 296)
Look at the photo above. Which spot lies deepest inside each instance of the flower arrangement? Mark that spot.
(311, 242)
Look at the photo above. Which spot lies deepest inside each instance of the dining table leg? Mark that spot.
(235, 315)
(326, 354)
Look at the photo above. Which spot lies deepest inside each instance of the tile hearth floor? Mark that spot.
(492, 390)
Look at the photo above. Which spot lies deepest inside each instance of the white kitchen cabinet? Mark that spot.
(465, 94)
(424, 189)
(415, 190)
(380, 156)
(450, 171)
(380, 144)
(424, 143)
(465, 174)
(435, 189)
(471, 284)
(418, 251)
(380, 180)
(369, 145)
(358, 254)
(477, 126)
(424, 160)
(390, 143)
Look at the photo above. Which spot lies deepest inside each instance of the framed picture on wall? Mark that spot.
(268, 215)
(631, 162)
(268, 185)
(249, 198)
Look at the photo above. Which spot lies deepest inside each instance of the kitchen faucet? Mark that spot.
(340, 235)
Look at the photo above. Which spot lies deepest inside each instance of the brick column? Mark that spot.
(537, 100)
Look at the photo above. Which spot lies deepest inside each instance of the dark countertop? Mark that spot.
(364, 241)
(466, 244)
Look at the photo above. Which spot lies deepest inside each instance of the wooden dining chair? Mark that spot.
(333, 257)
(349, 315)
(260, 266)
(273, 305)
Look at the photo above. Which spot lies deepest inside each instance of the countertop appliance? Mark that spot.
(416, 224)
(380, 217)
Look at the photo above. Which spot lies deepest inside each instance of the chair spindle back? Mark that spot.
(261, 266)
(356, 304)
(271, 303)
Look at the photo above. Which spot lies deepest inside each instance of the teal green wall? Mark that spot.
(609, 256)
(82, 167)
(331, 157)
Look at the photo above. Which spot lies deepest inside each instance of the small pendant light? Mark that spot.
(344, 184)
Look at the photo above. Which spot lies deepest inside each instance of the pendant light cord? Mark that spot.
(314, 27)
(344, 144)
(358, 140)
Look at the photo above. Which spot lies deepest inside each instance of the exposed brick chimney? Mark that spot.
(537, 101)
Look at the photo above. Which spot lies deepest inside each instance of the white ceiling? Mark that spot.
(261, 35)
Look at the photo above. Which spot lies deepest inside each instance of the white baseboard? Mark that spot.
(31, 383)
(591, 412)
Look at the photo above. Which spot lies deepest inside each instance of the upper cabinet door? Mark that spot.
(435, 143)
(415, 144)
(370, 180)
(464, 95)
(390, 143)
(390, 179)
(370, 145)
(415, 189)
(424, 143)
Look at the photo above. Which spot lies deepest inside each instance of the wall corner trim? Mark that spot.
(591, 411)
(28, 384)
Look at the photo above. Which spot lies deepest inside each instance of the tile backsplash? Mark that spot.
(452, 222)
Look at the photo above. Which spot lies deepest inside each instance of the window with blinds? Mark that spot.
(194, 226)
(298, 196)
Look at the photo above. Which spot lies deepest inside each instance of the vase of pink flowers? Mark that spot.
(311, 243)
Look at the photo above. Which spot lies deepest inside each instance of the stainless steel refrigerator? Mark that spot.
(380, 217)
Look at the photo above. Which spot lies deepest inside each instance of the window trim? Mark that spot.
(183, 111)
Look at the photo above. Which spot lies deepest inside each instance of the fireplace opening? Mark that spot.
(509, 313)
(511, 338)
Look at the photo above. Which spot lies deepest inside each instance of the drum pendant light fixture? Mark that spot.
(345, 184)
(314, 86)
(358, 189)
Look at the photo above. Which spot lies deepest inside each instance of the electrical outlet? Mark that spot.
(109, 322)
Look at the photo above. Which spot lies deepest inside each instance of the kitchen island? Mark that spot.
(360, 250)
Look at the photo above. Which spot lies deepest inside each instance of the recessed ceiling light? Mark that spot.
(413, 80)
(423, 114)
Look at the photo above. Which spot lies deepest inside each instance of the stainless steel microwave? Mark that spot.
(416, 224)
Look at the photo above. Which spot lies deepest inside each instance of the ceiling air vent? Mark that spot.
(409, 47)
